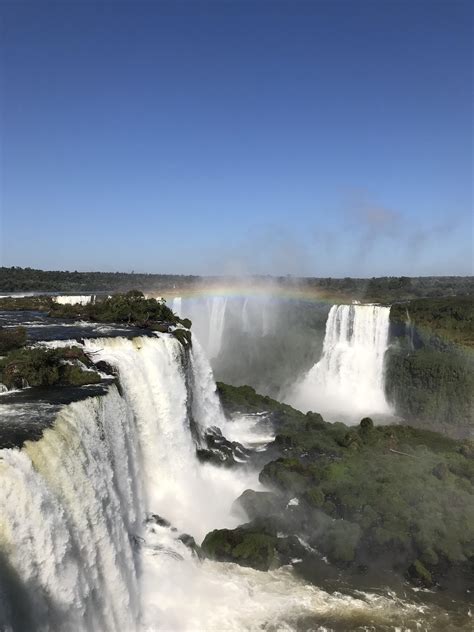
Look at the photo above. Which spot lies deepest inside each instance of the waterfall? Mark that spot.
(73, 300)
(68, 504)
(348, 380)
(73, 504)
(217, 316)
(176, 306)
(217, 310)
(410, 327)
(79, 550)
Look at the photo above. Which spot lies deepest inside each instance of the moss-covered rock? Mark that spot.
(248, 546)
(419, 574)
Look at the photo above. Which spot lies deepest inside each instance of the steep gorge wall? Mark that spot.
(430, 364)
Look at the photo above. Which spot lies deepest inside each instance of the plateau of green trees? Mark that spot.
(131, 308)
(390, 499)
(430, 363)
(39, 366)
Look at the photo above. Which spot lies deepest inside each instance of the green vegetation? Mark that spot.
(430, 364)
(383, 289)
(16, 279)
(30, 303)
(37, 366)
(440, 322)
(131, 308)
(433, 387)
(244, 398)
(366, 496)
(11, 338)
(251, 545)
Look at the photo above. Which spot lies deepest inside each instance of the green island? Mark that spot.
(39, 366)
(358, 501)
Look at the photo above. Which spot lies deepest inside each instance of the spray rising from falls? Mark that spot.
(348, 380)
(82, 544)
(215, 316)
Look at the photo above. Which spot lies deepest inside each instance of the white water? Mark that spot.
(216, 316)
(176, 306)
(74, 300)
(348, 380)
(72, 504)
(217, 309)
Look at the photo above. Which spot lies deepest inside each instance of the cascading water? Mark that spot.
(213, 317)
(348, 380)
(68, 504)
(176, 306)
(216, 325)
(78, 549)
(73, 300)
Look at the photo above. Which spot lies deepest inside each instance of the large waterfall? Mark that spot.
(348, 380)
(79, 547)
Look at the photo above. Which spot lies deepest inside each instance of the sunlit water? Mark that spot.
(73, 506)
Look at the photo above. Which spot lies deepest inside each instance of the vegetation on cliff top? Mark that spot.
(430, 363)
(131, 308)
(439, 322)
(38, 366)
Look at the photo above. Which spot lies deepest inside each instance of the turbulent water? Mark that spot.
(348, 380)
(76, 552)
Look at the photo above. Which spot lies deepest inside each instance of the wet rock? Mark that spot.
(219, 450)
(159, 520)
(419, 574)
(105, 367)
(248, 545)
(190, 542)
(260, 504)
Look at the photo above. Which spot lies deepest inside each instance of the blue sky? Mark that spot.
(314, 138)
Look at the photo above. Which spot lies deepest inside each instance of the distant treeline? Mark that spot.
(17, 279)
(382, 289)
(393, 289)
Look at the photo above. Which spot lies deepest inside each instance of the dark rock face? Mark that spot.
(259, 504)
(158, 520)
(190, 542)
(220, 451)
(105, 367)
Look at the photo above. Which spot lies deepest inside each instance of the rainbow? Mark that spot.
(243, 289)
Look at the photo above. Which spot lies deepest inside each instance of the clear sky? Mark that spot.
(316, 138)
